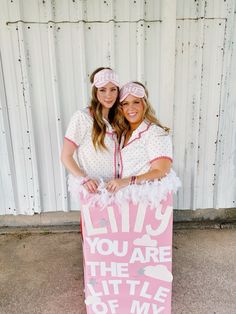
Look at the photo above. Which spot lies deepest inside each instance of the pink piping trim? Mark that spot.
(121, 163)
(139, 135)
(161, 157)
(115, 176)
(114, 160)
(71, 142)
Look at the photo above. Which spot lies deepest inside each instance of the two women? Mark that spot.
(124, 182)
(93, 133)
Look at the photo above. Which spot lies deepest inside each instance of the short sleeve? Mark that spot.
(77, 128)
(159, 144)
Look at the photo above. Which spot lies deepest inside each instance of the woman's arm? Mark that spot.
(68, 161)
(71, 165)
(159, 169)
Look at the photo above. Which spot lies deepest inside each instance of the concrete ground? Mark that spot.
(41, 272)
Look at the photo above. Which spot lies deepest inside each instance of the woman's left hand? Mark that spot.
(116, 184)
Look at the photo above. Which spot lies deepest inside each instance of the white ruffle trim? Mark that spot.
(150, 192)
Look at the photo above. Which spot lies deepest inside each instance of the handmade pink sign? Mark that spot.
(127, 257)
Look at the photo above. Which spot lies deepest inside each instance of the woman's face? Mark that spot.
(133, 110)
(107, 95)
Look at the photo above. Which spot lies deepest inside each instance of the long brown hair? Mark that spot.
(121, 124)
(99, 126)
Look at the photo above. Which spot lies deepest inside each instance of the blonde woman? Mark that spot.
(144, 196)
(145, 149)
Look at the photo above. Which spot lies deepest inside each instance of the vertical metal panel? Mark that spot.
(182, 50)
(225, 192)
(189, 50)
(209, 110)
(167, 61)
(152, 62)
(7, 201)
(19, 116)
(46, 112)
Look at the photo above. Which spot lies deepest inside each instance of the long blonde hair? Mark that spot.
(121, 124)
(99, 126)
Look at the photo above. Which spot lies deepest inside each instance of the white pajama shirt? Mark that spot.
(148, 143)
(97, 164)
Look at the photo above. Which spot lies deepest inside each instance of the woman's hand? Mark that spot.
(116, 184)
(91, 185)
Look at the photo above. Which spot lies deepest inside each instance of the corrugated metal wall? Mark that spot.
(183, 50)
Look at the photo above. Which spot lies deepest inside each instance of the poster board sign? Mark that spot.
(127, 257)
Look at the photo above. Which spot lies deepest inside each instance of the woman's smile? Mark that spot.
(132, 114)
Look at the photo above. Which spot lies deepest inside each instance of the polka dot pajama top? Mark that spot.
(148, 143)
(98, 163)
